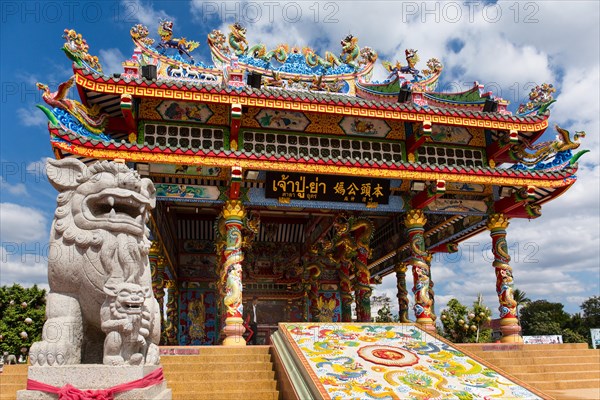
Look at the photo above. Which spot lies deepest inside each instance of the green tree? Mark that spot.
(464, 325)
(542, 317)
(384, 314)
(21, 310)
(521, 299)
(591, 312)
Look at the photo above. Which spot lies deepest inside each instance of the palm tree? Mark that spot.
(521, 299)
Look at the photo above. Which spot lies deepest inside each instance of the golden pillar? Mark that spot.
(509, 325)
(402, 294)
(233, 213)
(172, 326)
(415, 221)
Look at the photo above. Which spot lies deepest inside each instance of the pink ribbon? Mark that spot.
(69, 392)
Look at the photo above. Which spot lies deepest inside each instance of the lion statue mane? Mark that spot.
(98, 240)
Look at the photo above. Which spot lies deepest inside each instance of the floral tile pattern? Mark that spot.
(392, 361)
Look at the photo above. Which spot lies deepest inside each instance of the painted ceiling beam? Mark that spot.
(514, 201)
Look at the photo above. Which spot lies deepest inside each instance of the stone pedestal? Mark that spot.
(94, 377)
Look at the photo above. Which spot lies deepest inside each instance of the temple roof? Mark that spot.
(109, 85)
(80, 145)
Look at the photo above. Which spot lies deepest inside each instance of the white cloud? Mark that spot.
(20, 224)
(145, 12)
(111, 60)
(17, 189)
(32, 117)
(14, 269)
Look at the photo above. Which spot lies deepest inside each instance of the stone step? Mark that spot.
(565, 384)
(554, 368)
(13, 379)
(575, 394)
(15, 369)
(555, 376)
(539, 353)
(526, 347)
(12, 388)
(217, 366)
(186, 351)
(181, 375)
(226, 386)
(227, 395)
(214, 358)
(507, 361)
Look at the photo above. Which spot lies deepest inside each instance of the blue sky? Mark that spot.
(507, 46)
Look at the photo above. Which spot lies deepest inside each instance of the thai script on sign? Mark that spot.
(327, 188)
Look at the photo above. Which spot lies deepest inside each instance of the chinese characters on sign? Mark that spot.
(326, 188)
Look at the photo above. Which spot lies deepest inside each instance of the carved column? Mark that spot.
(402, 294)
(157, 265)
(314, 272)
(220, 244)
(233, 213)
(345, 291)
(172, 325)
(509, 325)
(157, 275)
(363, 287)
(306, 290)
(415, 221)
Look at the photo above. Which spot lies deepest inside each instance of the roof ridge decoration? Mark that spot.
(551, 155)
(284, 66)
(76, 48)
(540, 98)
(71, 115)
(388, 89)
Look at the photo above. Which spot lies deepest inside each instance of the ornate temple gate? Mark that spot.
(306, 188)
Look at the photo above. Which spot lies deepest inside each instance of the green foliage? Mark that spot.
(17, 304)
(591, 312)
(521, 299)
(542, 317)
(570, 336)
(384, 314)
(464, 325)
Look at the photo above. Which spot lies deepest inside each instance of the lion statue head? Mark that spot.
(101, 214)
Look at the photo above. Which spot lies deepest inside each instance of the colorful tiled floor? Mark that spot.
(393, 361)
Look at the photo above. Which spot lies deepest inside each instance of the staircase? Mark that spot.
(13, 378)
(212, 372)
(223, 373)
(564, 371)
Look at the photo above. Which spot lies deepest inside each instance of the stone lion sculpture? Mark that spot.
(98, 242)
(122, 317)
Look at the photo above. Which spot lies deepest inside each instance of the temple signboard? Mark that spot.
(326, 188)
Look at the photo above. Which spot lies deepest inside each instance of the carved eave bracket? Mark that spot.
(518, 205)
(417, 139)
(433, 191)
(499, 150)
